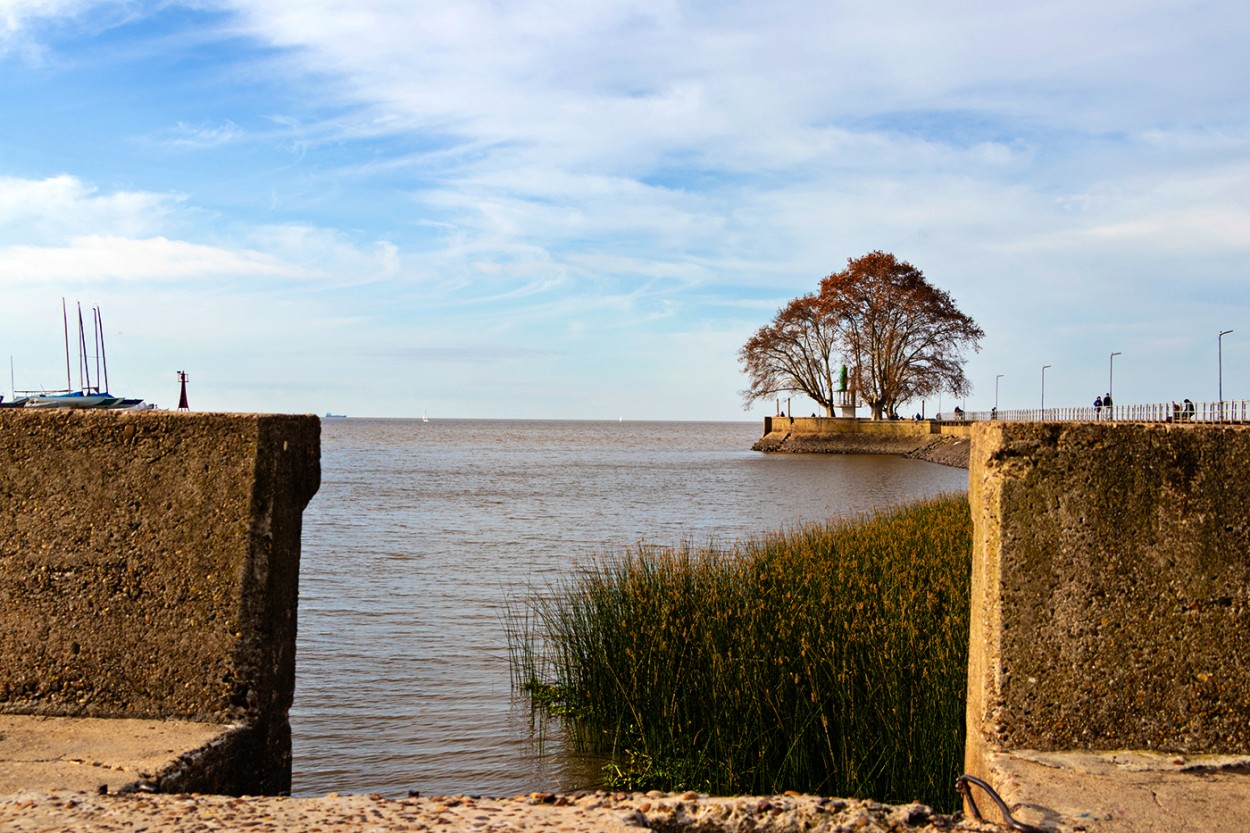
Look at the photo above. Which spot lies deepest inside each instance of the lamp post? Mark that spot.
(996, 378)
(1044, 390)
(1111, 383)
(1220, 344)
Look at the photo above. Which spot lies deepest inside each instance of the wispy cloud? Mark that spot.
(60, 229)
(37, 210)
(468, 353)
(99, 258)
(183, 136)
(24, 23)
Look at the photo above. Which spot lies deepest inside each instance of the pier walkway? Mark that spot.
(1230, 411)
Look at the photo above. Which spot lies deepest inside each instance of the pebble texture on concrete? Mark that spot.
(1111, 567)
(594, 812)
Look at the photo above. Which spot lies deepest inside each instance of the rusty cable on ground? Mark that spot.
(961, 785)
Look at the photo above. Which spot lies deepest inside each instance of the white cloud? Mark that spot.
(1197, 228)
(609, 80)
(16, 14)
(39, 210)
(720, 143)
(62, 229)
(326, 253)
(100, 258)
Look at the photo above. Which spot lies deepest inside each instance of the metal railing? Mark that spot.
(1230, 411)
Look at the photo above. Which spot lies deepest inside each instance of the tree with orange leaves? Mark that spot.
(797, 353)
(901, 337)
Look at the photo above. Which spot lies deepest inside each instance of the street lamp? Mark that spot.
(1044, 390)
(1111, 383)
(1220, 343)
(996, 378)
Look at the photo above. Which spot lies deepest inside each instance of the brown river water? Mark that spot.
(423, 531)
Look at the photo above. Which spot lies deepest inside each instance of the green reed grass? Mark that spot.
(831, 659)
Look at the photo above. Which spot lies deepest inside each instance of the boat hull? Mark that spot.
(73, 400)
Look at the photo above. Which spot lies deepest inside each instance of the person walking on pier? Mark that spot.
(1106, 403)
(1097, 406)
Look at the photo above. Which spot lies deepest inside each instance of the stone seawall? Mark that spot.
(149, 569)
(930, 440)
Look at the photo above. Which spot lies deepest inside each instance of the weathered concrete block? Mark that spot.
(149, 567)
(1110, 591)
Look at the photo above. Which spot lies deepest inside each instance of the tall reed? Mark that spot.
(830, 659)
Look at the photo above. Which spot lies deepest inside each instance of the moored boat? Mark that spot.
(74, 399)
(88, 395)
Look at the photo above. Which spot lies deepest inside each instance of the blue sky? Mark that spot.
(582, 209)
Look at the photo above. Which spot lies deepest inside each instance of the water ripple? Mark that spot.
(422, 531)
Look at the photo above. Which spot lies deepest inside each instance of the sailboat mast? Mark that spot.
(83, 364)
(99, 320)
(69, 385)
(95, 332)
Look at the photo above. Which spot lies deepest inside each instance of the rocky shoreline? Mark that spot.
(945, 449)
(949, 451)
(582, 812)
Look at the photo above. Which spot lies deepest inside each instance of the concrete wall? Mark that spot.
(149, 568)
(824, 426)
(1110, 597)
(939, 442)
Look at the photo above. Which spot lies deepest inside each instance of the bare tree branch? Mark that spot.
(902, 337)
(795, 353)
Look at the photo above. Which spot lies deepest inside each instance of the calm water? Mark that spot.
(422, 531)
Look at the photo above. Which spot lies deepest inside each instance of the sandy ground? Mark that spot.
(47, 811)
